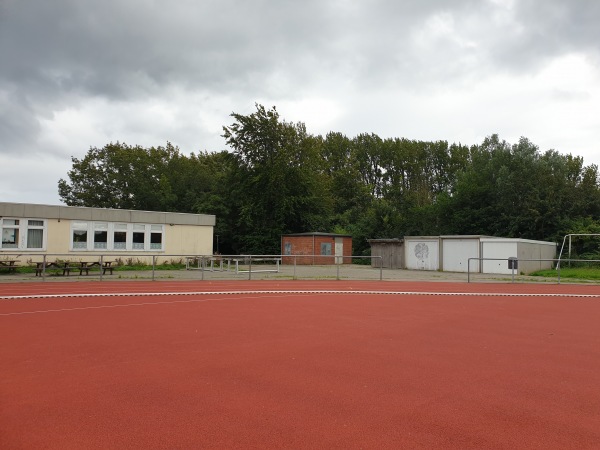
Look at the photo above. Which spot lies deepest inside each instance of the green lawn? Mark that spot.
(579, 273)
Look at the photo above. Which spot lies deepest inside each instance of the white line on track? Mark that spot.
(126, 305)
(261, 292)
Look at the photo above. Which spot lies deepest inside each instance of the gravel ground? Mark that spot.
(344, 272)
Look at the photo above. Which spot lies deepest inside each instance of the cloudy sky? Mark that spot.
(76, 74)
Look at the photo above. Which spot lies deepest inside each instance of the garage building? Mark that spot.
(452, 253)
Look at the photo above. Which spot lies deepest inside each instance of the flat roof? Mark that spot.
(318, 233)
(385, 241)
(481, 238)
(37, 211)
(452, 236)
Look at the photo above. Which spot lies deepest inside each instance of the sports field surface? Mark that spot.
(307, 364)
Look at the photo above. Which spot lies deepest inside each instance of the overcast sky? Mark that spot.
(76, 74)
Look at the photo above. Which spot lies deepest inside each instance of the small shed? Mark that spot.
(390, 251)
(316, 248)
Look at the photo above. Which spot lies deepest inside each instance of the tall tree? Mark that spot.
(277, 182)
(115, 176)
(133, 177)
(516, 191)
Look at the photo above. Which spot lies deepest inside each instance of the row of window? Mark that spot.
(31, 234)
(116, 236)
(23, 234)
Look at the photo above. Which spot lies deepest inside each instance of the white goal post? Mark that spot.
(569, 236)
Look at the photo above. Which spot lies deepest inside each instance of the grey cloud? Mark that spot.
(122, 49)
(62, 52)
(543, 30)
(18, 124)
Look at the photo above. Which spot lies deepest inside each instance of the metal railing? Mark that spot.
(206, 262)
(244, 264)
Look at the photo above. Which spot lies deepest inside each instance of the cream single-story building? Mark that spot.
(37, 230)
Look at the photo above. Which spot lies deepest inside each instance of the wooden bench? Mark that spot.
(39, 267)
(10, 266)
(69, 267)
(57, 267)
(107, 267)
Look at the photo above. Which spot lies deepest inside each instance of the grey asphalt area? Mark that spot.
(286, 272)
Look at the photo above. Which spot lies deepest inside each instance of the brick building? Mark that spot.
(319, 248)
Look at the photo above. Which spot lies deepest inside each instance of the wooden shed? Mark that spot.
(319, 248)
(391, 252)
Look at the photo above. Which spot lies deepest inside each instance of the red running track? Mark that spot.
(300, 370)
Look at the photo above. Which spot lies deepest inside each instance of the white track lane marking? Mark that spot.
(262, 292)
(126, 305)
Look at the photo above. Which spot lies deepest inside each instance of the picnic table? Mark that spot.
(10, 264)
(39, 267)
(105, 267)
(81, 266)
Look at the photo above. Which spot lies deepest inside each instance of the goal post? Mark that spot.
(570, 238)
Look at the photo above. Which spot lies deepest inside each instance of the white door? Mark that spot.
(422, 254)
(456, 254)
(339, 250)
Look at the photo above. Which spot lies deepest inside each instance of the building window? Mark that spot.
(79, 235)
(120, 236)
(35, 234)
(116, 236)
(24, 234)
(100, 236)
(287, 248)
(156, 236)
(139, 235)
(325, 248)
(10, 233)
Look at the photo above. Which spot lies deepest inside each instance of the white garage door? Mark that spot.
(456, 253)
(501, 249)
(422, 254)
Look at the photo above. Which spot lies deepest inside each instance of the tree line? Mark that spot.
(277, 178)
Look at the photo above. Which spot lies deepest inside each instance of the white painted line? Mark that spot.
(125, 305)
(333, 292)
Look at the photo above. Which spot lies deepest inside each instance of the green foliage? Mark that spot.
(280, 179)
(578, 273)
(586, 242)
(277, 184)
(516, 191)
(126, 177)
